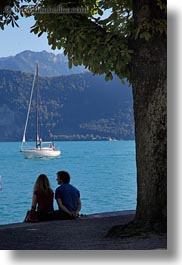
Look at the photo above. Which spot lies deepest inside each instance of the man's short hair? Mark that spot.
(64, 176)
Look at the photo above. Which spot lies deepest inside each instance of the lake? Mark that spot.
(103, 171)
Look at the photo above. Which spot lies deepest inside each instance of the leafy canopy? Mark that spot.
(99, 38)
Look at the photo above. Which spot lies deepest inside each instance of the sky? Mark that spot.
(14, 40)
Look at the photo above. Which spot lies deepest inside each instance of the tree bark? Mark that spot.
(150, 111)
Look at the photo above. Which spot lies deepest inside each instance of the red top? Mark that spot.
(45, 201)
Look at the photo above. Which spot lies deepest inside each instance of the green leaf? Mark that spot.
(100, 12)
(70, 63)
(40, 33)
(16, 24)
(109, 76)
(145, 35)
(1, 25)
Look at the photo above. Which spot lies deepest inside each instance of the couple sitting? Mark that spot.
(67, 197)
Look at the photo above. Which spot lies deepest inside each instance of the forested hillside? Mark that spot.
(73, 107)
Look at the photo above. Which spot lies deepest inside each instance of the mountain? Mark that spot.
(74, 107)
(50, 64)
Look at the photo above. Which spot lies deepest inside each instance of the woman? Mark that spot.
(42, 201)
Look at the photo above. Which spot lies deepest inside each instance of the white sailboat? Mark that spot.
(41, 149)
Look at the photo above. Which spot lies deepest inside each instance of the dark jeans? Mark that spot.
(45, 216)
(60, 215)
(35, 216)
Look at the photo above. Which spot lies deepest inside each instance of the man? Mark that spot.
(67, 197)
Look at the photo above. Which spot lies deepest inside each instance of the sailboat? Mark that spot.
(41, 149)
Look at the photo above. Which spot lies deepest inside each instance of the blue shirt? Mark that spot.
(69, 196)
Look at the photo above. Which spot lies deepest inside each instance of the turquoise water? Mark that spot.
(104, 172)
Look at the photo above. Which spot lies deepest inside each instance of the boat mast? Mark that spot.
(37, 111)
(28, 112)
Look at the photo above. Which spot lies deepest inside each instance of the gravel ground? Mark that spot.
(85, 233)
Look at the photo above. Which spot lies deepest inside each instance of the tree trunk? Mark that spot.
(150, 111)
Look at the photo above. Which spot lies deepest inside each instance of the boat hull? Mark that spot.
(40, 153)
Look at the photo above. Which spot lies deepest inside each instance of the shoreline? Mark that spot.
(86, 233)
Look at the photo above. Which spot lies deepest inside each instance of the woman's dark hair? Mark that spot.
(64, 176)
